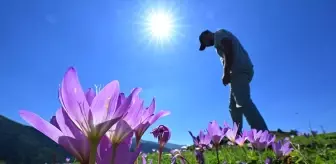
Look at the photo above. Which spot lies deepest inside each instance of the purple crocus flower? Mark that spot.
(67, 160)
(199, 155)
(260, 140)
(196, 140)
(140, 118)
(201, 142)
(240, 141)
(231, 133)
(163, 134)
(62, 131)
(94, 114)
(123, 155)
(204, 139)
(281, 148)
(225, 128)
(215, 133)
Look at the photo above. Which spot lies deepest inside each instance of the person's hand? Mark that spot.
(226, 79)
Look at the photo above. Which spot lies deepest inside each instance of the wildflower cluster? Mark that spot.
(97, 127)
(258, 140)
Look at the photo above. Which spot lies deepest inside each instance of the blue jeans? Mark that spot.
(242, 104)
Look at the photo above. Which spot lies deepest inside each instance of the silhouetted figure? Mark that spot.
(238, 72)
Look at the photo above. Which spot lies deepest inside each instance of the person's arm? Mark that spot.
(227, 48)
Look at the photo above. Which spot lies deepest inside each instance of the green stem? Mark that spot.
(246, 153)
(114, 152)
(260, 159)
(187, 161)
(217, 153)
(93, 152)
(303, 157)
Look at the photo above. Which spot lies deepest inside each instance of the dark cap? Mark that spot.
(201, 39)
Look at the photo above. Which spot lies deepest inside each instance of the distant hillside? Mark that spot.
(22, 144)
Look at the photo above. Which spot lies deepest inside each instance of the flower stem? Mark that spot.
(217, 153)
(244, 149)
(187, 161)
(93, 152)
(160, 154)
(114, 152)
(260, 159)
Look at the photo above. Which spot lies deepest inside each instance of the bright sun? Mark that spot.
(160, 26)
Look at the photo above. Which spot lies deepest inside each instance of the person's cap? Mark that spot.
(202, 38)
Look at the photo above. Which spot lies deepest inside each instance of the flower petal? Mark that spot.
(119, 131)
(124, 107)
(125, 156)
(158, 115)
(195, 140)
(135, 113)
(53, 121)
(103, 127)
(73, 98)
(144, 161)
(67, 126)
(105, 101)
(77, 148)
(141, 128)
(151, 107)
(41, 125)
(128, 140)
(121, 99)
(90, 95)
(104, 151)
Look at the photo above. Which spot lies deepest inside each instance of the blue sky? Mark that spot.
(291, 44)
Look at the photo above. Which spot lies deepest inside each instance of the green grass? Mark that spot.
(320, 149)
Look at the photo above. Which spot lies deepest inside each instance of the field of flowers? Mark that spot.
(97, 127)
(302, 148)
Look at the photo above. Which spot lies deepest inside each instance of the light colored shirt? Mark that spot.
(241, 59)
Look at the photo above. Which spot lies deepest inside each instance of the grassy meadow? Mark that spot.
(318, 149)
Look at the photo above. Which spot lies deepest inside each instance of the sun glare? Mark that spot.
(160, 25)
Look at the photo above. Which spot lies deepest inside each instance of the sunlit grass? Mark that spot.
(320, 149)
